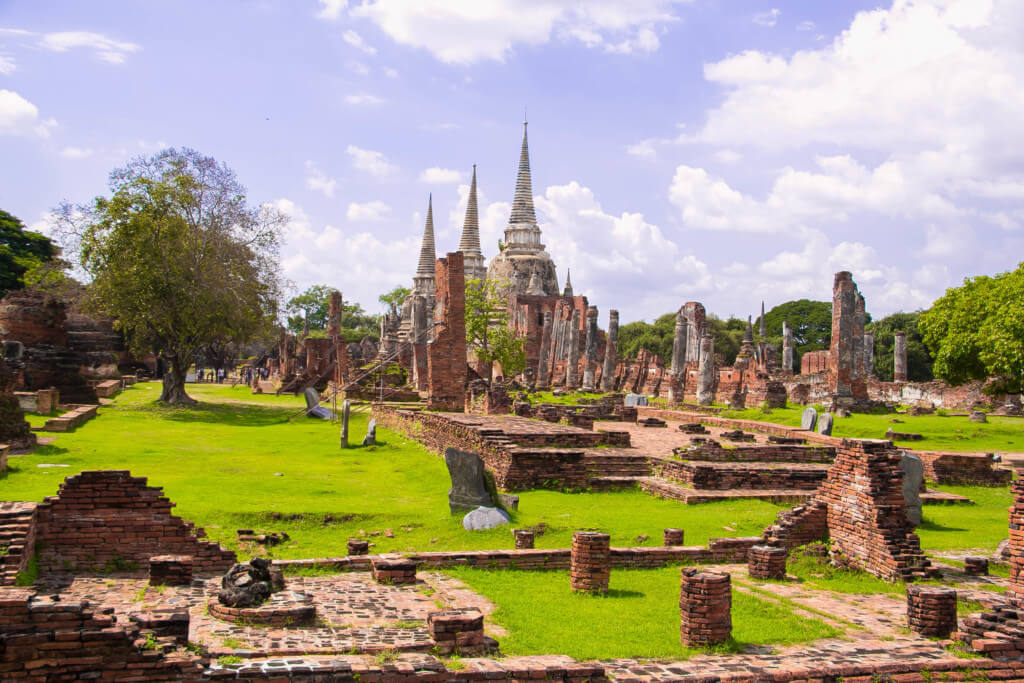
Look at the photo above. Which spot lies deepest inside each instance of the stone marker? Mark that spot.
(825, 424)
(913, 476)
(809, 418)
(346, 409)
(485, 518)
(371, 434)
(633, 400)
(468, 490)
(978, 416)
(313, 407)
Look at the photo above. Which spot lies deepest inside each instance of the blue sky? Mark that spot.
(724, 151)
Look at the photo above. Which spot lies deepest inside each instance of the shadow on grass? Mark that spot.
(220, 413)
(619, 593)
(929, 525)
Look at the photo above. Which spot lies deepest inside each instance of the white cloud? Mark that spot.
(106, 49)
(363, 98)
(299, 224)
(318, 181)
(356, 41)
(440, 176)
(643, 150)
(18, 116)
(374, 163)
(769, 18)
(358, 68)
(7, 65)
(76, 152)
(367, 212)
(806, 25)
(390, 73)
(468, 32)
(728, 156)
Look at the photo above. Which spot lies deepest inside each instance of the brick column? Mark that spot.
(931, 610)
(170, 570)
(524, 539)
(590, 566)
(766, 562)
(673, 536)
(358, 547)
(1017, 543)
(457, 629)
(394, 571)
(705, 608)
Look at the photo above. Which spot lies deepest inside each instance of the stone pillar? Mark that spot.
(590, 359)
(611, 349)
(679, 346)
(899, 356)
(705, 608)
(931, 610)
(524, 539)
(358, 546)
(841, 361)
(572, 380)
(869, 354)
(334, 316)
(706, 371)
(446, 353)
(766, 562)
(590, 562)
(543, 378)
(859, 317)
(673, 537)
(787, 348)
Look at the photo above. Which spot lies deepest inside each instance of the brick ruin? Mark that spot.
(861, 508)
(105, 519)
(446, 352)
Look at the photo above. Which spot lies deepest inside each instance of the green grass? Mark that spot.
(815, 572)
(958, 434)
(218, 463)
(571, 398)
(961, 527)
(638, 618)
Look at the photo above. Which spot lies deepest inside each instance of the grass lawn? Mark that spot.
(638, 618)
(961, 527)
(219, 463)
(999, 434)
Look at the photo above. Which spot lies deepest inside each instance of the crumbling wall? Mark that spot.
(446, 353)
(108, 518)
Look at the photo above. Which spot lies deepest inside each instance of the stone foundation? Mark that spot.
(284, 609)
(457, 630)
(170, 570)
(358, 547)
(524, 539)
(931, 610)
(590, 570)
(673, 537)
(766, 562)
(705, 608)
(394, 571)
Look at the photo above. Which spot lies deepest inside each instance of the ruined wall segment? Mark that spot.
(446, 353)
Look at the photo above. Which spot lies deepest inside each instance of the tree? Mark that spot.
(312, 305)
(394, 299)
(487, 330)
(178, 259)
(656, 338)
(976, 331)
(811, 322)
(21, 250)
(919, 361)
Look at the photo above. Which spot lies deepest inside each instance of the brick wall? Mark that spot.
(446, 353)
(107, 518)
(712, 450)
(962, 468)
(725, 476)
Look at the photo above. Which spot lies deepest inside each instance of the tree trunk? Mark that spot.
(174, 382)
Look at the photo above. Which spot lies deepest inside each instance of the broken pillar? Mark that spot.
(543, 378)
(841, 359)
(572, 380)
(705, 607)
(899, 356)
(608, 370)
(446, 353)
(787, 348)
(869, 354)
(706, 371)
(590, 350)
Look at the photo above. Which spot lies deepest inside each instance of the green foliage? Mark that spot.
(659, 337)
(393, 299)
(487, 330)
(21, 250)
(178, 259)
(28, 576)
(228, 660)
(639, 617)
(314, 305)
(728, 336)
(919, 361)
(811, 322)
(976, 331)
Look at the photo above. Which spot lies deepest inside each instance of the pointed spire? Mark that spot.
(763, 328)
(470, 242)
(748, 334)
(427, 254)
(522, 203)
(568, 283)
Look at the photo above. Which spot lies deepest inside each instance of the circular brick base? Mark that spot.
(673, 537)
(705, 608)
(287, 609)
(976, 566)
(524, 539)
(358, 547)
(590, 562)
(766, 562)
(931, 610)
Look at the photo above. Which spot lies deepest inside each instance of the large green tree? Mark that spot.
(21, 251)
(659, 337)
(919, 361)
(314, 304)
(811, 322)
(178, 258)
(976, 331)
(394, 299)
(487, 327)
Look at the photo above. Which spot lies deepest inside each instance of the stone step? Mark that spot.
(666, 489)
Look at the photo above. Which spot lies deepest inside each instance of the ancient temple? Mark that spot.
(469, 245)
(523, 255)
